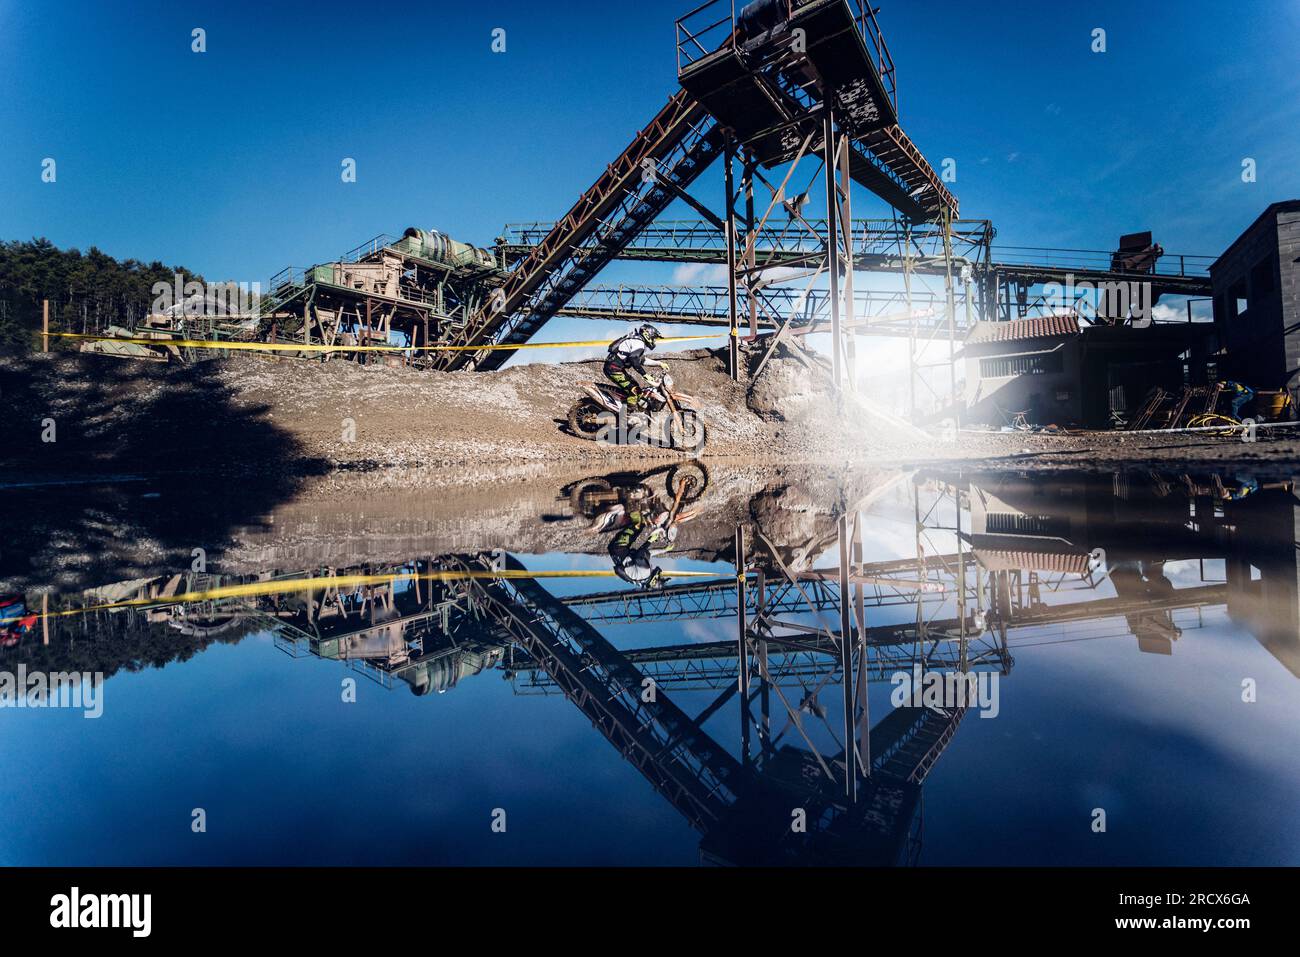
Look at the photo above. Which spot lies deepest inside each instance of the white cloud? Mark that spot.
(699, 274)
(1176, 311)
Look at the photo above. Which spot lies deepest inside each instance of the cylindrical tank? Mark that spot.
(440, 675)
(438, 247)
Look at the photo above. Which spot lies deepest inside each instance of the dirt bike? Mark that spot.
(602, 415)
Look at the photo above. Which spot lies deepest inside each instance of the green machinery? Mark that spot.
(414, 290)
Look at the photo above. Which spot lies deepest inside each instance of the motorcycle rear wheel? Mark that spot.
(588, 420)
(585, 497)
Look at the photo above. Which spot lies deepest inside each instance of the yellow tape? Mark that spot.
(286, 586)
(292, 347)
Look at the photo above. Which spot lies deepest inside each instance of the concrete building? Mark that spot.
(1025, 365)
(1055, 369)
(1257, 300)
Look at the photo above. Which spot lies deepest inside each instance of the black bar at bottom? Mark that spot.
(332, 906)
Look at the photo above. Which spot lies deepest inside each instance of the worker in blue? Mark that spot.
(1239, 488)
(1238, 394)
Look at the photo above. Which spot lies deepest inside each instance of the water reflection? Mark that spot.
(777, 735)
(1030, 534)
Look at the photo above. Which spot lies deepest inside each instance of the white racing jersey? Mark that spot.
(629, 351)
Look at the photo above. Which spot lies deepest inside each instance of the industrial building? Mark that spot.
(1257, 299)
(1102, 371)
(1056, 370)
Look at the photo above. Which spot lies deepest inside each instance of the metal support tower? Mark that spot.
(733, 305)
(840, 644)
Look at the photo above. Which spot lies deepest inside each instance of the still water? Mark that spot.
(1043, 669)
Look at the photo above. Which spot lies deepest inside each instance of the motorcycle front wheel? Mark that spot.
(687, 432)
(689, 480)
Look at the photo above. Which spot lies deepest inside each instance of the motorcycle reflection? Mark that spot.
(643, 515)
(590, 497)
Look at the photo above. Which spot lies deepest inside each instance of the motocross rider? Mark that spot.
(625, 365)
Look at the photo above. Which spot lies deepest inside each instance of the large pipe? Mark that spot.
(438, 247)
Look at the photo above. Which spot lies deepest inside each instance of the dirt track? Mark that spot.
(288, 417)
(406, 418)
(255, 413)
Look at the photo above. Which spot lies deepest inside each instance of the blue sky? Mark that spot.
(228, 161)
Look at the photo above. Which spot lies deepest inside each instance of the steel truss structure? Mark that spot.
(741, 732)
(799, 100)
(818, 81)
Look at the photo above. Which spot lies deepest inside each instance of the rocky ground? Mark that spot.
(290, 417)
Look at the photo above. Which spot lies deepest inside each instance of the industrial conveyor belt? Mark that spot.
(677, 145)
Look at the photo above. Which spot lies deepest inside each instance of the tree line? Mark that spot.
(88, 291)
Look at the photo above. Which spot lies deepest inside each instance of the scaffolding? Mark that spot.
(797, 84)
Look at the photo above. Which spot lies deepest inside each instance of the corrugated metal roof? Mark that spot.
(1007, 560)
(1036, 327)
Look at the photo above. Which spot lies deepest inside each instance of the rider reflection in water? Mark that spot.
(633, 549)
